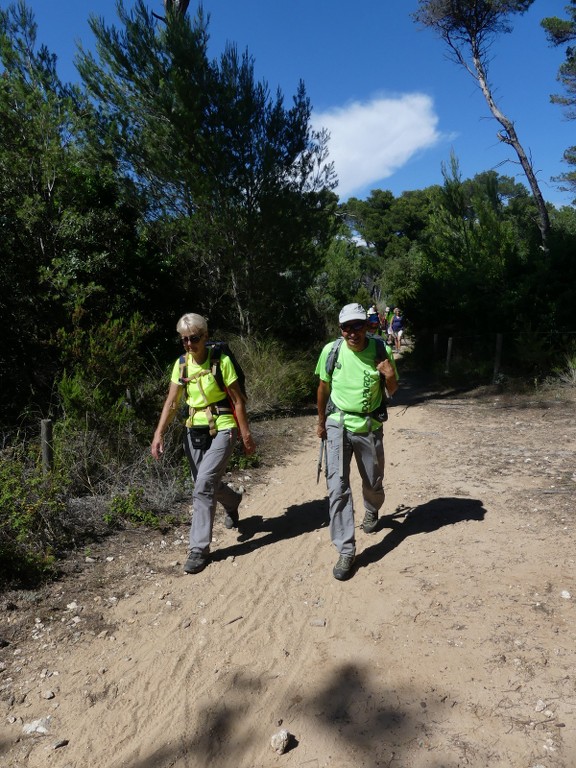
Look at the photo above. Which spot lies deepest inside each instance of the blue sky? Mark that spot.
(394, 104)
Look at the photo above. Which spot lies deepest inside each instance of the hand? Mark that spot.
(157, 447)
(385, 368)
(321, 431)
(249, 444)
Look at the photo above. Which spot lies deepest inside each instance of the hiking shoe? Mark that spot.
(370, 522)
(231, 518)
(196, 561)
(343, 568)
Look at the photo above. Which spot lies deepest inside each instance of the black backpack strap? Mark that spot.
(182, 378)
(215, 356)
(332, 358)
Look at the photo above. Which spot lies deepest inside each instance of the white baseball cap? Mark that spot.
(352, 312)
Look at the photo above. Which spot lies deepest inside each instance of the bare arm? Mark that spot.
(241, 417)
(322, 396)
(168, 413)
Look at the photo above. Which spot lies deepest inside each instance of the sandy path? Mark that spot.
(452, 645)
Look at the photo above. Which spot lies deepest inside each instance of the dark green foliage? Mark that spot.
(104, 367)
(175, 183)
(467, 19)
(240, 461)
(560, 32)
(245, 175)
(65, 231)
(131, 507)
(31, 523)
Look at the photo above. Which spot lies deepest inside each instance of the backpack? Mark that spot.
(216, 349)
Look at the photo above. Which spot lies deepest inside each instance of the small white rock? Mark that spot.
(279, 742)
(37, 726)
(565, 594)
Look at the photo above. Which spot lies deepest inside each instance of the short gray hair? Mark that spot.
(192, 323)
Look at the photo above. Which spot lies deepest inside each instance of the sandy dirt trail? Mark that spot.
(452, 645)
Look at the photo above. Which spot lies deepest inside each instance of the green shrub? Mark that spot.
(565, 374)
(104, 368)
(276, 378)
(131, 507)
(239, 460)
(32, 525)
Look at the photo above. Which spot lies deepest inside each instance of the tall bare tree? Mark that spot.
(468, 28)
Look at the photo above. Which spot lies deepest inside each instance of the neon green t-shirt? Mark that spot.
(210, 386)
(355, 385)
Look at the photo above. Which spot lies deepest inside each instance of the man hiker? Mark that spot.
(354, 373)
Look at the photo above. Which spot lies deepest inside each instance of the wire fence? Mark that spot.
(507, 348)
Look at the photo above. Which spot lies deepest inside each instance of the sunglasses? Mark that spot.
(190, 339)
(350, 327)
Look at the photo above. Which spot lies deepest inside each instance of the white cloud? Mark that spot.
(371, 140)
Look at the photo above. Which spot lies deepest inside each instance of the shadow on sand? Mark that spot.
(425, 518)
(297, 520)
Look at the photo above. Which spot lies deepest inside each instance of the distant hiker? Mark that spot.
(216, 413)
(374, 321)
(388, 315)
(397, 326)
(351, 398)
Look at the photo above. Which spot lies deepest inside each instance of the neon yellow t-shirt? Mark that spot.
(355, 385)
(210, 386)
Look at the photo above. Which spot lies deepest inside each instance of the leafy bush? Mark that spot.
(276, 379)
(565, 374)
(132, 507)
(104, 370)
(32, 526)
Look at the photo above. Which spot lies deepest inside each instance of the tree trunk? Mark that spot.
(509, 136)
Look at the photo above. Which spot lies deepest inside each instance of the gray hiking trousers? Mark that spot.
(368, 450)
(207, 468)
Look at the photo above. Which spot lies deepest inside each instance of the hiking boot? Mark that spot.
(370, 522)
(196, 561)
(343, 568)
(231, 518)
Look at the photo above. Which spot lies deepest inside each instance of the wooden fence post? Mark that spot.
(497, 357)
(47, 447)
(448, 355)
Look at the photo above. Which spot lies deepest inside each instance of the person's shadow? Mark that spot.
(296, 520)
(424, 518)
(299, 519)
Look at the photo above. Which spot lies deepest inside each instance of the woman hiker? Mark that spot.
(216, 413)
